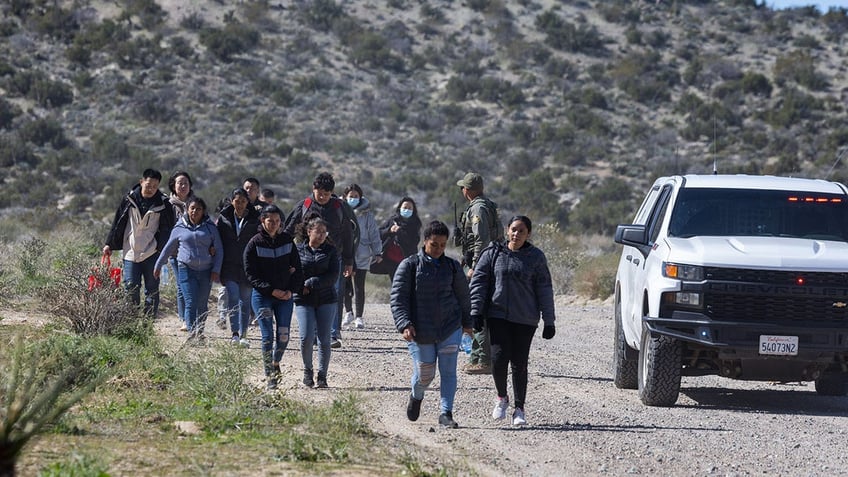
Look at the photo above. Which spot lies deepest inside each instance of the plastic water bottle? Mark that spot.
(164, 277)
(465, 344)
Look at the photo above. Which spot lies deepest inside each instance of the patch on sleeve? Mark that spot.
(475, 219)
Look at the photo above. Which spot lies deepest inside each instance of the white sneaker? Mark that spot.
(245, 343)
(358, 323)
(499, 412)
(518, 417)
(348, 318)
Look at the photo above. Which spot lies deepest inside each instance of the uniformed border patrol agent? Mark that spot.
(478, 227)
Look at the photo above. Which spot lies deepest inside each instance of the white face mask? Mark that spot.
(406, 213)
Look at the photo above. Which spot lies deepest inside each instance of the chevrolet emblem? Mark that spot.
(840, 304)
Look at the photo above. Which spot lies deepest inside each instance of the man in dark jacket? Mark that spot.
(330, 208)
(141, 226)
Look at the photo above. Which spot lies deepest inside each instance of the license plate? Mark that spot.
(779, 345)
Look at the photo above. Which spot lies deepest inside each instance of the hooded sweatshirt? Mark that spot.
(369, 235)
(194, 244)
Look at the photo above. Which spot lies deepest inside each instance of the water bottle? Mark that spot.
(164, 279)
(465, 344)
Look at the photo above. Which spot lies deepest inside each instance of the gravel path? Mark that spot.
(578, 422)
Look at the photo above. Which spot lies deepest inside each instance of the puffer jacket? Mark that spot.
(513, 286)
(408, 235)
(193, 244)
(141, 236)
(272, 263)
(339, 229)
(369, 235)
(235, 243)
(320, 273)
(431, 295)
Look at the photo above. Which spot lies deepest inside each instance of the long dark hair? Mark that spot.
(309, 222)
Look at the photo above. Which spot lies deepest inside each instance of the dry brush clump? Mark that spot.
(90, 302)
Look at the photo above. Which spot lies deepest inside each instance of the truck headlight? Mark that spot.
(682, 298)
(689, 273)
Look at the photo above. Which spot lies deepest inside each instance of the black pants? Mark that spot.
(510, 345)
(355, 291)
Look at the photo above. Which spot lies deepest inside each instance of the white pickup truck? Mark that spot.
(739, 276)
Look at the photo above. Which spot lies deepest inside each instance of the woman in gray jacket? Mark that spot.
(510, 289)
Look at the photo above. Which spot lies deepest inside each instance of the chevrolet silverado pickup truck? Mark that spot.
(739, 276)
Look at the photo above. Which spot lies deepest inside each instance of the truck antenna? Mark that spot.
(842, 150)
(715, 147)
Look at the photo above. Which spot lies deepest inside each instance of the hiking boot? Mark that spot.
(499, 412)
(358, 323)
(477, 368)
(518, 417)
(308, 381)
(413, 408)
(272, 382)
(335, 343)
(321, 383)
(348, 318)
(446, 420)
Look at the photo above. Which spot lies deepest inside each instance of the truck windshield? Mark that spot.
(745, 212)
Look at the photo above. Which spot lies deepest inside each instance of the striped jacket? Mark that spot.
(273, 263)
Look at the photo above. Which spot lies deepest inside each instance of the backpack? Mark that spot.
(345, 213)
(496, 228)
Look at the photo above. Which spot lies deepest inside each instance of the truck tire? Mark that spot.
(831, 385)
(626, 358)
(659, 370)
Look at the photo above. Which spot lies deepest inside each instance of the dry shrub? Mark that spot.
(102, 310)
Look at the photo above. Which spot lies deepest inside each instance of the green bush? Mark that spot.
(799, 67)
(602, 207)
(181, 47)
(267, 125)
(234, 39)
(155, 106)
(54, 21)
(44, 131)
(794, 106)
(193, 22)
(565, 36)
(8, 113)
(321, 14)
(48, 93)
(139, 52)
(149, 12)
(350, 145)
(14, 150)
(645, 77)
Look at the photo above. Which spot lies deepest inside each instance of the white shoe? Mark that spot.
(518, 417)
(499, 412)
(358, 323)
(244, 342)
(348, 318)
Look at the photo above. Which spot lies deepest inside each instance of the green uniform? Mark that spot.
(479, 226)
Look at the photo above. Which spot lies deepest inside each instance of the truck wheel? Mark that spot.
(626, 358)
(659, 370)
(831, 385)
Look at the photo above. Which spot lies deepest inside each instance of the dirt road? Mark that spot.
(578, 422)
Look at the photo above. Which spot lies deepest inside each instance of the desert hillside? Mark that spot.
(568, 108)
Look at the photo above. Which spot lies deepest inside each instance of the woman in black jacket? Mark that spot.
(237, 224)
(273, 268)
(404, 227)
(431, 307)
(316, 303)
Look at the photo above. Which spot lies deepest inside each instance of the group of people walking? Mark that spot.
(313, 262)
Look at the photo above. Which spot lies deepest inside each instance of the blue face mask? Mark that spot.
(406, 213)
(353, 201)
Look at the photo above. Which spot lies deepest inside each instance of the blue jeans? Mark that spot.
(274, 317)
(175, 266)
(424, 357)
(312, 320)
(133, 273)
(238, 306)
(196, 285)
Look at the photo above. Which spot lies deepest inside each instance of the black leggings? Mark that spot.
(355, 287)
(510, 345)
